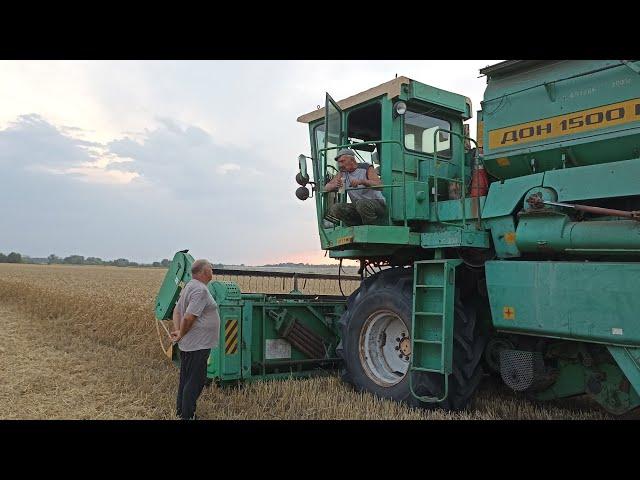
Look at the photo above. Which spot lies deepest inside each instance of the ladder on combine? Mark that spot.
(432, 321)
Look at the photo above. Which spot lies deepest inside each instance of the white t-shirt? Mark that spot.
(196, 299)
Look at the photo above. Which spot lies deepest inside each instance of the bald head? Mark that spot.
(201, 270)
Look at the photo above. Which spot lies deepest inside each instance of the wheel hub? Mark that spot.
(385, 348)
(405, 346)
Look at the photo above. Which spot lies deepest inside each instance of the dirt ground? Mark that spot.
(81, 343)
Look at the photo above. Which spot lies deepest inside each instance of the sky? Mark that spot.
(139, 159)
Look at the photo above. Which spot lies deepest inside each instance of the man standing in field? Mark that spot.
(197, 326)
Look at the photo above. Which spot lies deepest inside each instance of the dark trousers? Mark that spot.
(193, 374)
(365, 211)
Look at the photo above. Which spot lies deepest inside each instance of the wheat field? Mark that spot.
(81, 343)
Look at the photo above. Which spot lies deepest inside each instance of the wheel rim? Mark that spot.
(385, 348)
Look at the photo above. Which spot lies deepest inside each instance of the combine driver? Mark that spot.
(367, 204)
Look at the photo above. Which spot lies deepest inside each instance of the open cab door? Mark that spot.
(328, 166)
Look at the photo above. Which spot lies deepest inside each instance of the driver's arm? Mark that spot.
(373, 179)
(333, 184)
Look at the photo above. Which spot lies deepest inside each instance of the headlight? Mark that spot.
(400, 108)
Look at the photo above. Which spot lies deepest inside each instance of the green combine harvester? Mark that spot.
(516, 256)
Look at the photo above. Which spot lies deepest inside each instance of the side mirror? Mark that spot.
(302, 193)
(302, 163)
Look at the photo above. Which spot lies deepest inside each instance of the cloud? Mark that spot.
(227, 167)
(184, 159)
(32, 144)
(172, 187)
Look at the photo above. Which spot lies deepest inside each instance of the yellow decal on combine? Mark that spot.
(569, 124)
(231, 337)
(509, 313)
(344, 240)
(503, 162)
(510, 238)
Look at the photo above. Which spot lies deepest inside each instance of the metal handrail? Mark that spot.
(462, 176)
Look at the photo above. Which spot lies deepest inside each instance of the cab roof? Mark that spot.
(510, 66)
(392, 89)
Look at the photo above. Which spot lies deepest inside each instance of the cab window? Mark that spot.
(364, 124)
(319, 134)
(419, 131)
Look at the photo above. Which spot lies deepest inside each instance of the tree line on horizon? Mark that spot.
(53, 259)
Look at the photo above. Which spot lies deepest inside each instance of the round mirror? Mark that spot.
(302, 193)
(301, 179)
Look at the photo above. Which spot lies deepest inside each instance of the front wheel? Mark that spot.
(376, 344)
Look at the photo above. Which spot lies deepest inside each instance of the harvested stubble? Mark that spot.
(80, 342)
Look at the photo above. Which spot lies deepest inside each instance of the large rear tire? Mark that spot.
(375, 331)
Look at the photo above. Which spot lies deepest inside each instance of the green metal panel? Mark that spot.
(417, 201)
(371, 234)
(427, 167)
(590, 301)
(505, 196)
(178, 274)
(230, 342)
(452, 210)
(366, 251)
(553, 232)
(617, 179)
(213, 363)
(445, 99)
(455, 237)
(579, 152)
(271, 354)
(503, 233)
(247, 336)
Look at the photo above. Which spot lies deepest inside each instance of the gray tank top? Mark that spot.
(361, 192)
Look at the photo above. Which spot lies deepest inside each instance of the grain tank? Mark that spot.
(541, 116)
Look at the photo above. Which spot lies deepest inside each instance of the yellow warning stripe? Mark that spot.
(231, 324)
(231, 337)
